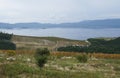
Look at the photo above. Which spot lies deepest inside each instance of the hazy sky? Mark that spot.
(57, 11)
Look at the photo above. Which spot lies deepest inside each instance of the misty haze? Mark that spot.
(59, 38)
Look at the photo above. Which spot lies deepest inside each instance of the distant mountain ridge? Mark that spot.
(107, 23)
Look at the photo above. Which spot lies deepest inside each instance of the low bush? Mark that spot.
(82, 58)
(11, 52)
(42, 52)
(41, 60)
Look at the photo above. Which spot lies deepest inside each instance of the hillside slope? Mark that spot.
(27, 42)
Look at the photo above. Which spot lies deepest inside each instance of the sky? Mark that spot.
(57, 11)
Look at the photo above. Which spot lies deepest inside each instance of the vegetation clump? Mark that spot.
(7, 45)
(5, 42)
(5, 36)
(11, 52)
(41, 56)
(97, 46)
(82, 58)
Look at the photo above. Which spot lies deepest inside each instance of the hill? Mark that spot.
(107, 23)
(28, 42)
(96, 46)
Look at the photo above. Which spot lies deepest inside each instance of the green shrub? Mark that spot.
(41, 56)
(41, 60)
(82, 58)
(42, 52)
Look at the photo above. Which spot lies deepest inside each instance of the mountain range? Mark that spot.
(106, 23)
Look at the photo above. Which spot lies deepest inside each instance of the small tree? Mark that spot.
(41, 56)
(42, 52)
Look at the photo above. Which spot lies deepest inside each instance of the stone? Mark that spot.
(11, 59)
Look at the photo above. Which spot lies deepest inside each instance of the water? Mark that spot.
(71, 33)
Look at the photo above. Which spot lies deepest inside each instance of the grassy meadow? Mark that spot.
(21, 63)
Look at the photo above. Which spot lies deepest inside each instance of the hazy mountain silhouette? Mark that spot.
(107, 23)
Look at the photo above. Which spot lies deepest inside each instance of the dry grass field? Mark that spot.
(27, 42)
(59, 65)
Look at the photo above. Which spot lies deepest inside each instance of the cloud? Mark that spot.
(57, 11)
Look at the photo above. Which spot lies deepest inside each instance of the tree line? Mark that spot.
(5, 36)
(97, 46)
(5, 42)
